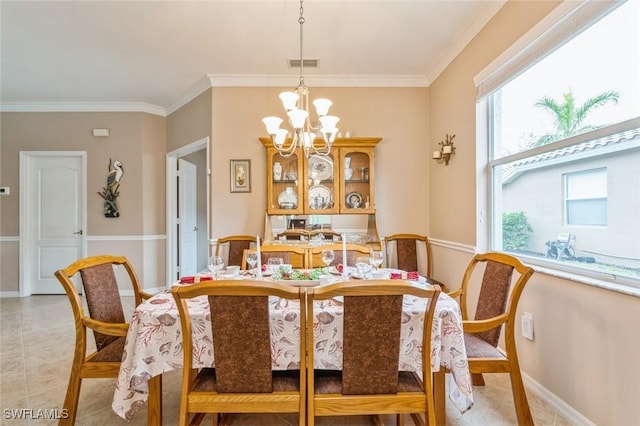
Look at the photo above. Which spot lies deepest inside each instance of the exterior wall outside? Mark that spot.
(546, 214)
(583, 334)
(137, 140)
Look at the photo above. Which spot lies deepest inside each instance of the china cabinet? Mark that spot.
(338, 185)
(342, 182)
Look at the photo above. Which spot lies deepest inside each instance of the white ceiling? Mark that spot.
(58, 54)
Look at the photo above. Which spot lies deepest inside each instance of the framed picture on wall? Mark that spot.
(240, 175)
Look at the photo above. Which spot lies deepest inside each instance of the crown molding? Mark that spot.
(82, 107)
(465, 38)
(211, 80)
(259, 80)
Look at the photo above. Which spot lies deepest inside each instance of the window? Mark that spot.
(586, 198)
(563, 114)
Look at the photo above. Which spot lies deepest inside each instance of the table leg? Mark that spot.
(155, 401)
(439, 396)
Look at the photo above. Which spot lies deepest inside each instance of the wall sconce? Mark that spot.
(446, 150)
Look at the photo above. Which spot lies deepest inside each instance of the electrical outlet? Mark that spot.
(527, 325)
(4, 190)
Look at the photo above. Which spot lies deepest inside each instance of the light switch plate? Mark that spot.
(4, 190)
(527, 325)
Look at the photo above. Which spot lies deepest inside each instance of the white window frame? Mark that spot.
(561, 25)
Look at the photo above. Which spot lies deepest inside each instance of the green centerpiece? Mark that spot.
(299, 274)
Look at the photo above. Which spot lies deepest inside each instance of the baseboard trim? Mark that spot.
(567, 412)
(9, 294)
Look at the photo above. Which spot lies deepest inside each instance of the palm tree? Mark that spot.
(569, 117)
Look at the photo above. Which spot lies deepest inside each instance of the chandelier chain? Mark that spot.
(301, 21)
(296, 105)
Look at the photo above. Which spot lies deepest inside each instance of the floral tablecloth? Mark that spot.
(154, 344)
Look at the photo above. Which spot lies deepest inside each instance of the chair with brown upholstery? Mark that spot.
(370, 382)
(105, 318)
(353, 251)
(497, 303)
(405, 250)
(242, 380)
(296, 256)
(233, 246)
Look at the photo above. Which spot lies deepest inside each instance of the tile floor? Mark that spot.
(36, 347)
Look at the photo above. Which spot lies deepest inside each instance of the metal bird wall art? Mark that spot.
(111, 191)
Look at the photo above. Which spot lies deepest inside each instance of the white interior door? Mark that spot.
(187, 209)
(54, 214)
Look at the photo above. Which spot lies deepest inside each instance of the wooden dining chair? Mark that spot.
(404, 251)
(411, 252)
(294, 255)
(242, 380)
(496, 306)
(370, 382)
(105, 318)
(233, 247)
(353, 251)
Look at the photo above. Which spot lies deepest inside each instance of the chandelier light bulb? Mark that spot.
(280, 137)
(322, 106)
(298, 117)
(289, 100)
(328, 122)
(272, 124)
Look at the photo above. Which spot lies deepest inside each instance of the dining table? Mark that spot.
(154, 346)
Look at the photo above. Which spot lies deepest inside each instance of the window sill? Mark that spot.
(624, 288)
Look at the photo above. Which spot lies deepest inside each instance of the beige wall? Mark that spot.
(586, 338)
(138, 140)
(190, 123)
(398, 115)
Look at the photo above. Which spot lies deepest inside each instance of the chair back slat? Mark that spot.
(407, 254)
(240, 326)
(494, 293)
(236, 249)
(371, 342)
(103, 299)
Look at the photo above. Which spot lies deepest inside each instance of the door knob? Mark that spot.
(195, 228)
(78, 233)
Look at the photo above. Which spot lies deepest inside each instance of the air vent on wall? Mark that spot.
(308, 63)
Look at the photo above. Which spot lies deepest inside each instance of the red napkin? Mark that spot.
(405, 275)
(193, 280)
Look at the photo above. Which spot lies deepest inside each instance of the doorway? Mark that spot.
(188, 209)
(53, 217)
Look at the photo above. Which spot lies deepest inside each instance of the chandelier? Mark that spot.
(314, 137)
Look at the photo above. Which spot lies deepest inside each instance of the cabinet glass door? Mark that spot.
(283, 183)
(321, 184)
(358, 177)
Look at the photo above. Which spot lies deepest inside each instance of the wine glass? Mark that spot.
(376, 259)
(252, 260)
(327, 257)
(215, 265)
(362, 170)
